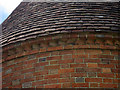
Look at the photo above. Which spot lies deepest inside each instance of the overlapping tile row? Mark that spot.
(30, 20)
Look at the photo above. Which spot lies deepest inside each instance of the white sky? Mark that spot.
(6, 7)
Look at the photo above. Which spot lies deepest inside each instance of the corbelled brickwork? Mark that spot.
(88, 60)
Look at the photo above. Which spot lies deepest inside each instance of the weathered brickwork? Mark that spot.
(86, 60)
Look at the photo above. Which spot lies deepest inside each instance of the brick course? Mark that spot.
(90, 66)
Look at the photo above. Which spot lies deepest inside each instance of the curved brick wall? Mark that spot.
(88, 60)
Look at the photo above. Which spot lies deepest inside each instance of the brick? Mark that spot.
(116, 80)
(68, 47)
(27, 80)
(51, 81)
(93, 65)
(78, 74)
(6, 85)
(94, 46)
(114, 61)
(117, 75)
(28, 70)
(105, 75)
(8, 71)
(80, 42)
(19, 64)
(66, 85)
(93, 79)
(106, 56)
(106, 61)
(39, 68)
(106, 52)
(92, 60)
(65, 80)
(52, 76)
(66, 61)
(93, 56)
(64, 75)
(17, 86)
(54, 53)
(118, 66)
(53, 86)
(107, 80)
(41, 82)
(26, 66)
(77, 65)
(114, 52)
(31, 57)
(81, 51)
(9, 68)
(106, 70)
(64, 66)
(80, 70)
(54, 58)
(53, 62)
(90, 41)
(45, 72)
(15, 82)
(78, 60)
(52, 67)
(80, 85)
(43, 50)
(28, 75)
(38, 87)
(65, 52)
(115, 70)
(40, 77)
(44, 44)
(30, 61)
(42, 59)
(17, 77)
(31, 52)
(54, 71)
(79, 79)
(43, 55)
(41, 64)
(91, 74)
(108, 85)
(93, 84)
(93, 51)
(26, 85)
(92, 70)
(53, 43)
(74, 35)
(54, 48)
(65, 70)
(106, 65)
(66, 57)
(80, 56)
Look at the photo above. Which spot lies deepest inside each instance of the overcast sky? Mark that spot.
(6, 8)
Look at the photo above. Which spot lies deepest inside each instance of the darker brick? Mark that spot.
(26, 85)
(80, 70)
(31, 57)
(91, 74)
(42, 59)
(79, 79)
(15, 82)
(8, 71)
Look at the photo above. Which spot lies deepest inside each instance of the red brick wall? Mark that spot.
(63, 60)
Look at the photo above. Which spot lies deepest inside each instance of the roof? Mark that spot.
(34, 19)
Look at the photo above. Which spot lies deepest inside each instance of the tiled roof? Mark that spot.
(33, 19)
